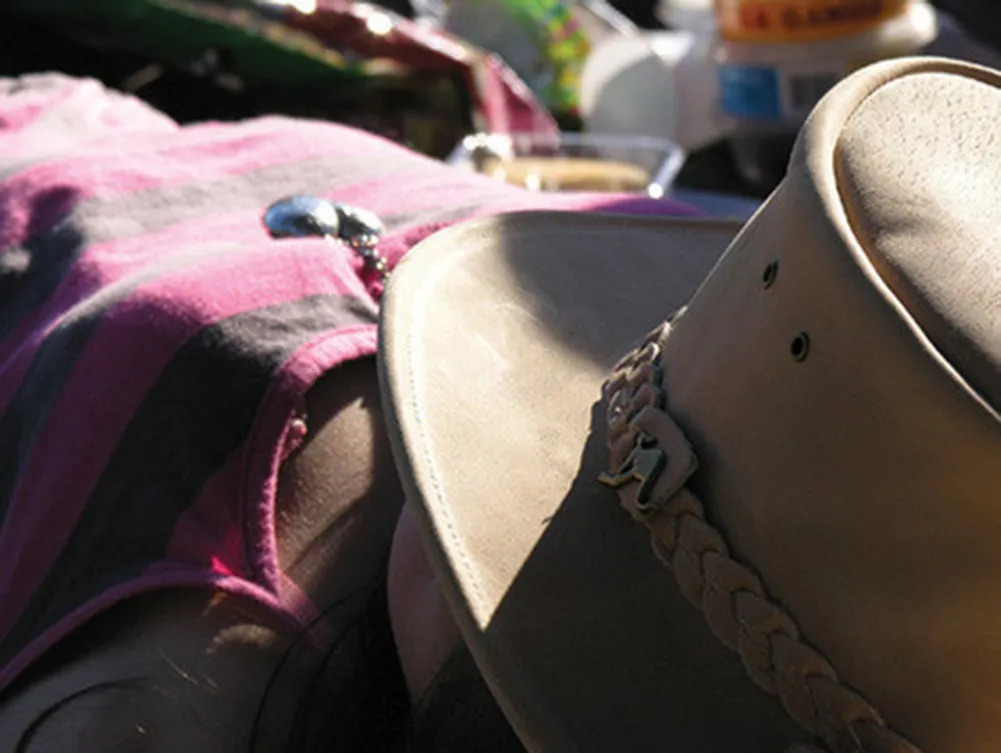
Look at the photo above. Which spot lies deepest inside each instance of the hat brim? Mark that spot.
(496, 337)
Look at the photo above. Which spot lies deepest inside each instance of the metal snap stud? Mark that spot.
(303, 216)
(359, 228)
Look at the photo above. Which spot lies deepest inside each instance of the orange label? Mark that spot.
(801, 20)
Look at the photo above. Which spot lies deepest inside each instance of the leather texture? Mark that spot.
(833, 374)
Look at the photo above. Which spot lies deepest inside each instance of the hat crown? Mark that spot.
(918, 168)
(837, 373)
(837, 522)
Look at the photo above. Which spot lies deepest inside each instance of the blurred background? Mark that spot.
(698, 99)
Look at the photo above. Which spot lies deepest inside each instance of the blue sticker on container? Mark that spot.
(750, 92)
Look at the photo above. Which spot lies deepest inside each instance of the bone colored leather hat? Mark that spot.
(812, 444)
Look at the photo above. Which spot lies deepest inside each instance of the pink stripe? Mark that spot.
(23, 106)
(593, 202)
(233, 518)
(103, 264)
(265, 450)
(193, 155)
(177, 306)
(438, 190)
(202, 152)
(431, 190)
(395, 245)
(90, 108)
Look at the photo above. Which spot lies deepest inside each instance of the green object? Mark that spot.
(543, 41)
(564, 45)
(180, 32)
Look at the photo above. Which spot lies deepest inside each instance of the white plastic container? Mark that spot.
(783, 82)
(573, 161)
(767, 90)
(661, 84)
(696, 16)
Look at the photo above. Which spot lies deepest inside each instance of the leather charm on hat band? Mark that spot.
(650, 454)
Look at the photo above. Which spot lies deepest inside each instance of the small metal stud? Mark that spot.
(359, 228)
(304, 216)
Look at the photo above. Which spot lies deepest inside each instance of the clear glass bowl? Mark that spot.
(574, 161)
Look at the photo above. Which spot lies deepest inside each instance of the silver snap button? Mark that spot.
(304, 216)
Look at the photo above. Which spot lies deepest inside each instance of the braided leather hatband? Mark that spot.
(652, 461)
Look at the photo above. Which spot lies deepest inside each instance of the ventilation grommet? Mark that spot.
(800, 347)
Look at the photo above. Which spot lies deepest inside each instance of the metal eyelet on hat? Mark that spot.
(770, 274)
(800, 347)
(311, 216)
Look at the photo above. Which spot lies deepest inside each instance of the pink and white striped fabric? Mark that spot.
(156, 343)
